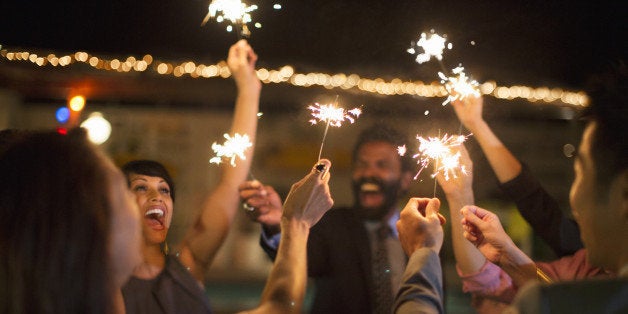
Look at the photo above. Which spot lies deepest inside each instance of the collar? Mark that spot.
(392, 223)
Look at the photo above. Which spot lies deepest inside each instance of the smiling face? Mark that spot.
(378, 180)
(152, 195)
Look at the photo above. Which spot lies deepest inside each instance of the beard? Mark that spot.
(389, 190)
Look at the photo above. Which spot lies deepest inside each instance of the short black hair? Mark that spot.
(149, 168)
(608, 92)
(384, 133)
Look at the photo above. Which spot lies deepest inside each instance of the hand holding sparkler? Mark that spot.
(469, 112)
(420, 225)
(241, 62)
(461, 183)
(459, 86)
(331, 115)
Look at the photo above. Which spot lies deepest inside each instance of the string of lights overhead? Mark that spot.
(287, 74)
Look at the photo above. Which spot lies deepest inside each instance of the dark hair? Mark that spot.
(387, 134)
(55, 217)
(608, 92)
(9, 137)
(149, 168)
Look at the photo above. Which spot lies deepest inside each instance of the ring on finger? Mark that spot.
(248, 208)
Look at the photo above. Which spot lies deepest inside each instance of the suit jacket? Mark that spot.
(339, 261)
(421, 289)
(586, 296)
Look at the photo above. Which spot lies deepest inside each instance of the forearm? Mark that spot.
(502, 161)
(218, 210)
(517, 265)
(285, 287)
(468, 258)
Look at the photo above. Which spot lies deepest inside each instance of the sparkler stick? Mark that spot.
(234, 147)
(331, 115)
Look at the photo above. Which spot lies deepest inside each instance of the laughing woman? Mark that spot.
(173, 282)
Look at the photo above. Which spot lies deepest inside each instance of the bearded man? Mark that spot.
(354, 255)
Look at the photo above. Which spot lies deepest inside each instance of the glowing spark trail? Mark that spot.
(459, 85)
(331, 115)
(235, 11)
(233, 147)
(441, 151)
(432, 46)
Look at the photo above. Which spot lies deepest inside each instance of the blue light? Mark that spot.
(63, 114)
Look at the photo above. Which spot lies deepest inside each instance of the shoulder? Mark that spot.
(591, 296)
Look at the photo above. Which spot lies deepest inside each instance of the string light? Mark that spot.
(288, 75)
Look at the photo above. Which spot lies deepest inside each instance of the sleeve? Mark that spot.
(270, 244)
(421, 289)
(570, 267)
(490, 282)
(542, 212)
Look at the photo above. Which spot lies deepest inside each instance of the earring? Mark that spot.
(165, 249)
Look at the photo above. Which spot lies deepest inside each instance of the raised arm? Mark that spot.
(308, 200)
(503, 162)
(459, 192)
(205, 237)
(538, 208)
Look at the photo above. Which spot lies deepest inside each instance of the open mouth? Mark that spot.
(368, 187)
(155, 218)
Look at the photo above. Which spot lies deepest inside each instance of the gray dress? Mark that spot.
(174, 290)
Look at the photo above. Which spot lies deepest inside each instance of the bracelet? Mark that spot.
(543, 277)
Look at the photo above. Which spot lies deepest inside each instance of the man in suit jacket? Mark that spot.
(340, 246)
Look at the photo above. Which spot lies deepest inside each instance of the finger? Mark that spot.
(467, 235)
(247, 185)
(322, 167)
(432, 207)
(469, 213)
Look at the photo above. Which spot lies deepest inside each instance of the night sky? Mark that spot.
(555, 43)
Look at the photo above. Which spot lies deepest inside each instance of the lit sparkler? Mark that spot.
(332, 115)
(234, 11)
(234, 147)
(459, 85)
(432, 45)
(440, 151)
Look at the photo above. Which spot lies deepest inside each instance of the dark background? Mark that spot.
(555, 43)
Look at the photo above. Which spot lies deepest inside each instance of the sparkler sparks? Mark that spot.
(235, 11)
(332, 115)
(233, 147)
(432, 45)
(459, 85)
(440, 151)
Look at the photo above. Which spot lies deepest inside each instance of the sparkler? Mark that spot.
(234, 147)
(459, 85)
(331, 115)
(235, 11)
(432, 46)
(441, 151)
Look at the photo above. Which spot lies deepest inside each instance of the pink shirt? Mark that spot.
(493, 289)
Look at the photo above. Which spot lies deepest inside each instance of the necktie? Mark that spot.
(382, 293)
